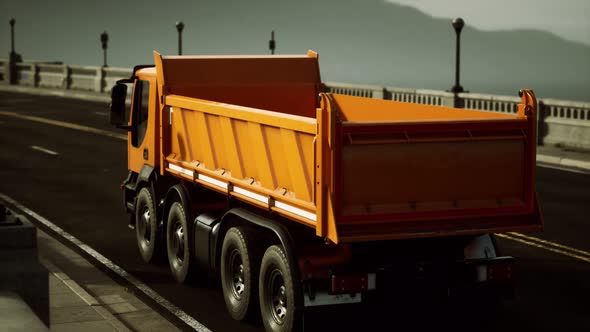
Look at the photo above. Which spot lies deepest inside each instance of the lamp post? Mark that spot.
(179, 27)
(272, 43)
(12, 22)
(458, 24)
(104, 39)
(14, 57)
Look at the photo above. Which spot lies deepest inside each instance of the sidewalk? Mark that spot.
(546, 155)
(83, 298)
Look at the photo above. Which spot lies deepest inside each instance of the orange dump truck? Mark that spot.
(243, 167)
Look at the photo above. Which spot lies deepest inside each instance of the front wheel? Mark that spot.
(146, 226)
(278, 292)
(177, 243)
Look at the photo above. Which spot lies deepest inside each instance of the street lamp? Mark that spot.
(179, 27)
(14, 57)
(104, 39)
(272, 43)
(458, 26)
(12, 22)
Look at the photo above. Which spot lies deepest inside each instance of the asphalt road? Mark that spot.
(77, 188)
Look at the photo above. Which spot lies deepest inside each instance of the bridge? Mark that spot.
(560, 122)
(47, 174)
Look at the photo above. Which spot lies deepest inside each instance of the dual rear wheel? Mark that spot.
(253, 281)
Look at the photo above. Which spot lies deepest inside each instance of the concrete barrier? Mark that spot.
(112, 75)
(560, 122)
(85, 78)
(26, 73)
(369, 91)
(421, 96)
(3, 71)
(568, 123)
(492, 103)
(21, 271)
(52, 75)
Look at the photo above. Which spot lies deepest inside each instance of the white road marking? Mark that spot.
(565, 169)
(101, 113)
(173, 309)
(38, 148)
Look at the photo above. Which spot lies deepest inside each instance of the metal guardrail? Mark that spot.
(561, 122)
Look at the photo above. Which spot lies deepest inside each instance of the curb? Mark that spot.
(563, 162)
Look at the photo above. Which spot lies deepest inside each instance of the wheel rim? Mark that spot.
(236, 271)
(144, 226)
(177, 242)
(278, 296)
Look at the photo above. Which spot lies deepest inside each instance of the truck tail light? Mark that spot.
(500, 271)
(352, 283)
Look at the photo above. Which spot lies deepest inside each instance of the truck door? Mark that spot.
(141, 141)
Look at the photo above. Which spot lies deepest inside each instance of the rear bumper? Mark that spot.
(484, 278)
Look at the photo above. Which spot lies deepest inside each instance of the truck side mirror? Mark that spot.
(117, 107)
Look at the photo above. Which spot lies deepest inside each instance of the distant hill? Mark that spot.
(359, 41)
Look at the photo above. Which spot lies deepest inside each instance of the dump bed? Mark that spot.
(354, 169)
(401, 170)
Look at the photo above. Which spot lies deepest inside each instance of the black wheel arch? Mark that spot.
(177, 192)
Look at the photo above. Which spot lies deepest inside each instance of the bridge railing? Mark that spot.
(420, 96)
(112, 74)
(561, 122)
(57, 75)
(52, 75)
(3, 70)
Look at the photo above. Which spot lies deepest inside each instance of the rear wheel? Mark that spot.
(146, 226)
(177, 243)
(239, 273)
(278, 292)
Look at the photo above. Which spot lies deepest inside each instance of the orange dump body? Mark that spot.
(401, 170)
(354, 169)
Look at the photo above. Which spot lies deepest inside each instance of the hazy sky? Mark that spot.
(569, 19)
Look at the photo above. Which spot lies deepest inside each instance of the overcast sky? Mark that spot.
(569, 19)
(406, 43)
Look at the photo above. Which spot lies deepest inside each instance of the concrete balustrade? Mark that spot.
(52, 75)
(420, 96)
(568, 123)
(493, 103)
(112, 74)
(86, 78)
(3, 71)
(26, 73)
(369, 91)
(561, 122)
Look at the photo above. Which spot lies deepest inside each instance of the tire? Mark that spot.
(280, 295)
(240, 262)
(146, 227)
(177, 243)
